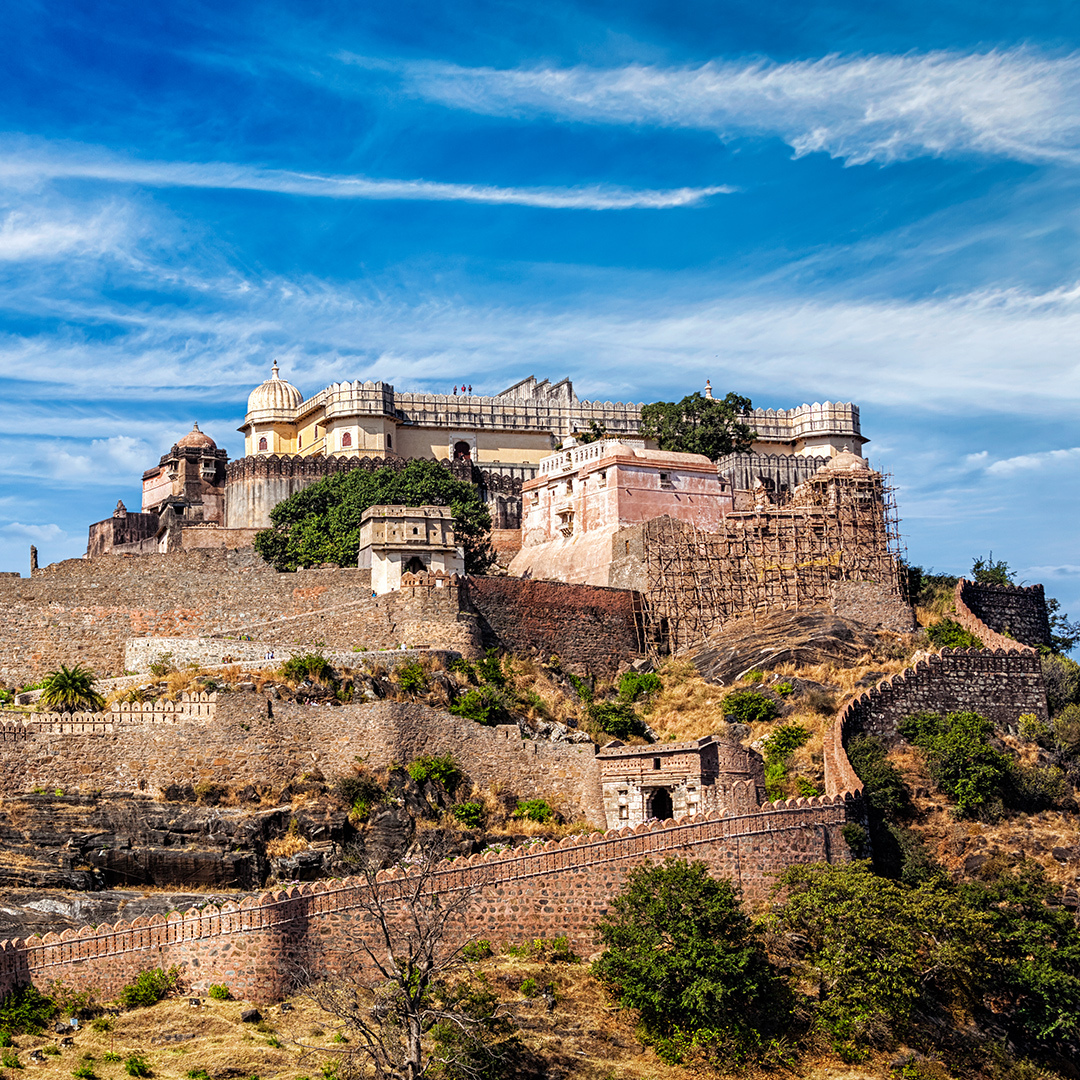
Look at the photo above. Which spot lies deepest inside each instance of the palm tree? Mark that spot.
(71, 690)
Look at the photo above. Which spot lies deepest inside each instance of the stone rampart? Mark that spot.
(561, 887)
(1003, 616)
(997, 683)
(590, 628)
(243, 739)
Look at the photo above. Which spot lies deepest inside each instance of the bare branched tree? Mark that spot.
(408, 1003)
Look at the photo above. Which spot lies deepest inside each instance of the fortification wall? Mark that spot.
(243, 739)
(555, 888)
(999, 610)
(84, 610)
(998, 684)
(591, 628)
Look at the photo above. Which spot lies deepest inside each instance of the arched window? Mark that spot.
(346, 440)
(389, 441)
(462, 451)
(262, 444)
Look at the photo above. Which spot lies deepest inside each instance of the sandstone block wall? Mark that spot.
(1000, 610)
(871, 604)
(541, 891)
(591, 628)
(84, 610)
(248, 740)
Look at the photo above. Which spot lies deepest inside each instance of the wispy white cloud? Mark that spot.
(22, 165)
(41, 533)
(1010, 103)
(987, 351)
(33, 234)
(1028, 462)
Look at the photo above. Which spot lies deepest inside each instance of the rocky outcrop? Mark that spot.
(799, 637)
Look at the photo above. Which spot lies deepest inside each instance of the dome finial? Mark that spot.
(195, 425)
(273, 371)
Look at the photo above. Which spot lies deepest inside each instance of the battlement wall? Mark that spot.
(1000, 684)
(1003, 616)
(561, 887)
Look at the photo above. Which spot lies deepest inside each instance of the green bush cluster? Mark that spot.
(876, 961)
(360, 792)
(441, 768)
(779, 747)
(26, 1011)
(481, 705)
(411, 677)
(477, 950)
(137, 1065)
(311, 665)
(150, 987)
(219, 992)
(554, 950)
(638, 684)
(977, 776)
(470, 814)
(534, 810)
(616, 718)
(949, 634)
(749, 707)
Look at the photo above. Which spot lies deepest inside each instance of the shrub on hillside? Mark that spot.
(748, 707)
(534, 810)
(411, 677)
(150, 987)
(1061, 674)
(616, 718)
(679, 950)
(960, 759)
(779, 747)
(470, 814)
(312, 665)
(949, 634)
(439, 767)
(70, 689)
(26, 1011)
(481, 705)
(638, 684)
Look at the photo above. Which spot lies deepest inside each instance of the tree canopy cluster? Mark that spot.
(321, 523)
(699, 425)
(850, 956)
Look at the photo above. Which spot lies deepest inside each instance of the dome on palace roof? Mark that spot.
(845, 462)
(197, 438)
(274, 395)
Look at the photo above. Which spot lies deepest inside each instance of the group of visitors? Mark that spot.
(464, 389)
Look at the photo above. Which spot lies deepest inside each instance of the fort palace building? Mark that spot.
(196, 497)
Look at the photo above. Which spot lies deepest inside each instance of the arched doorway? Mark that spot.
(414, 566)
(462, 451)
(660, 804)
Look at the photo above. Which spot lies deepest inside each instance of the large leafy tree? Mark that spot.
(883, 954)
(680, 950)
(321, 523)
(700, 425)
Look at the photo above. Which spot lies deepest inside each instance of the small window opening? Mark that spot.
(656, 763)
(263, 444)
(346, 439)
(299, 441)
(389, 442)
(415, 531)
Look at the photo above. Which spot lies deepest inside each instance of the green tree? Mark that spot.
(961, 759)
(990, 572)
(880, 952)
(1033, 971)
(679, 949)
(699, 425)
(321, 523)
(70, 690)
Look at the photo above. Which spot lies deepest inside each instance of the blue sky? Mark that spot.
(798, 201)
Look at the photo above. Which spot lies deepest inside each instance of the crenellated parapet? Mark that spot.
(282, 466)
(1011, 617)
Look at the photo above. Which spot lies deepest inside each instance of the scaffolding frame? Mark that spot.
(837, 526)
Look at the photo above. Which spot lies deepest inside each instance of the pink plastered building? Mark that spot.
(585, 494)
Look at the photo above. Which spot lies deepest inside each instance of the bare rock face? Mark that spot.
(803, 638)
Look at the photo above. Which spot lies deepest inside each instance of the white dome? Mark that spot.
(275, 395)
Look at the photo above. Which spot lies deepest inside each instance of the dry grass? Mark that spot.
(687, 707)
(584, 1037)
(284, 846)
